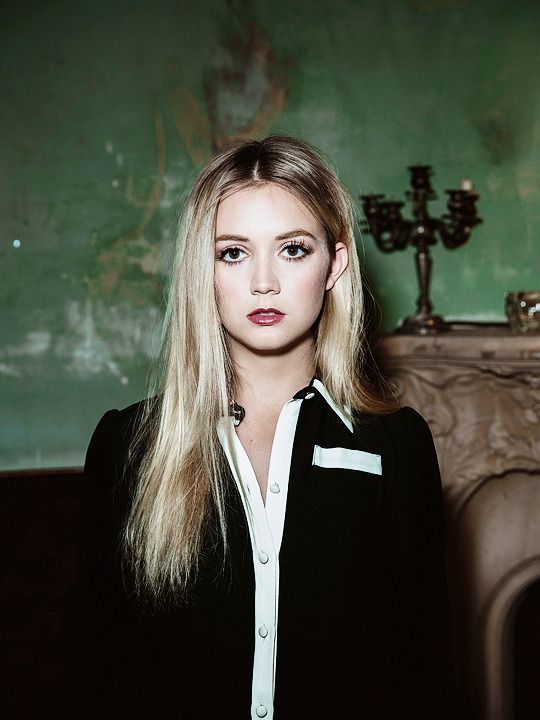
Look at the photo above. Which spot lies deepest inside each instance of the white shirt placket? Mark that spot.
(266, 530)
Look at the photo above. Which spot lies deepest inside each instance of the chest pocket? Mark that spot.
(347, 459)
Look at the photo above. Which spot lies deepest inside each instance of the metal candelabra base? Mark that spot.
(423, 325)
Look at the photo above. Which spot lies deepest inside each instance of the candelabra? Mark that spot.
(392, 232)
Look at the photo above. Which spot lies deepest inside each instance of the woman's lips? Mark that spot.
(265, 316)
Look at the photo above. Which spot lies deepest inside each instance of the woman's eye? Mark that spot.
(294, 252)
(232, 254)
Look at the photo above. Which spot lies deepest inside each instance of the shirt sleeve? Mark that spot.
(100, 634)
(420, 649)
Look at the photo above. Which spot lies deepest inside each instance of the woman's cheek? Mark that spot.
(315, 288)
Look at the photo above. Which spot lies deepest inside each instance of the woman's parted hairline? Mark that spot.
(312, 164)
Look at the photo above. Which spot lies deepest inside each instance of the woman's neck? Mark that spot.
(272, 380)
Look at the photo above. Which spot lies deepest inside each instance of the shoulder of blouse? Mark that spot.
(122, 424)
(110, 448)
(404, 440)
(399, 425)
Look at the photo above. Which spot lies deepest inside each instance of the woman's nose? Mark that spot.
(264, 279)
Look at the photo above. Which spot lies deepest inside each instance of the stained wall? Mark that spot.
(109, 108)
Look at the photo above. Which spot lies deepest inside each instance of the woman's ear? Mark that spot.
(338, 264)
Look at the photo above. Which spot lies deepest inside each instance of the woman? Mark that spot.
(263, 538)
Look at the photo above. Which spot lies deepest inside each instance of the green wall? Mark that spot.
(109, 107)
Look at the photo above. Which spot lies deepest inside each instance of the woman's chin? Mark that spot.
(272, 346)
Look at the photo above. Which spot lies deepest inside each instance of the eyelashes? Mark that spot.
(291, 252)
(231, 255)
(295, 246)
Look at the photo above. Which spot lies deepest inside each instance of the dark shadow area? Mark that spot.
(526, 655)
(39, 521)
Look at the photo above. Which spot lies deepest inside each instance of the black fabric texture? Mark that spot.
(363, 628)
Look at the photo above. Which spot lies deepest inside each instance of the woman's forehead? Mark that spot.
(264, 205)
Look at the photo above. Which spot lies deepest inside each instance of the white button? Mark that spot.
(261, 711)
(309, 396)
(263, 557)
(263, 631)
(274, 488)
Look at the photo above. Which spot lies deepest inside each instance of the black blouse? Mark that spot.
(363, 609)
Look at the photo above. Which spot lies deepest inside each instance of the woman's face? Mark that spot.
(272, 269)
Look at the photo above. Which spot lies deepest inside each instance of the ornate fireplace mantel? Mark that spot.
(479, 389)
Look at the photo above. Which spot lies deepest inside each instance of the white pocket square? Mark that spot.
(347, 459)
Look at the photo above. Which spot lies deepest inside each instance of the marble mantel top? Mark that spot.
(464, 342)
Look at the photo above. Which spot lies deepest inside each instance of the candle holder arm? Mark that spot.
(384, 222)
(456, 226)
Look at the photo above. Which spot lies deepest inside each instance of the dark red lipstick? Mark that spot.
(265, 316)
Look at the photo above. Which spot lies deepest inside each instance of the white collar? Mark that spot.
(344, 416)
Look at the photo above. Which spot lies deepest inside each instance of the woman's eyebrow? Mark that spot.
(295, 233)
(231, 238)
(284, 236)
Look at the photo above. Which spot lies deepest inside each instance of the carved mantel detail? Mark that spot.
(482, 402)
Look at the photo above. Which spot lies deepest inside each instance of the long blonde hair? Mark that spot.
(180, 483)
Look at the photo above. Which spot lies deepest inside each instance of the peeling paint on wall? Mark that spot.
(100, 337)
(245, 89)
(97, 338)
